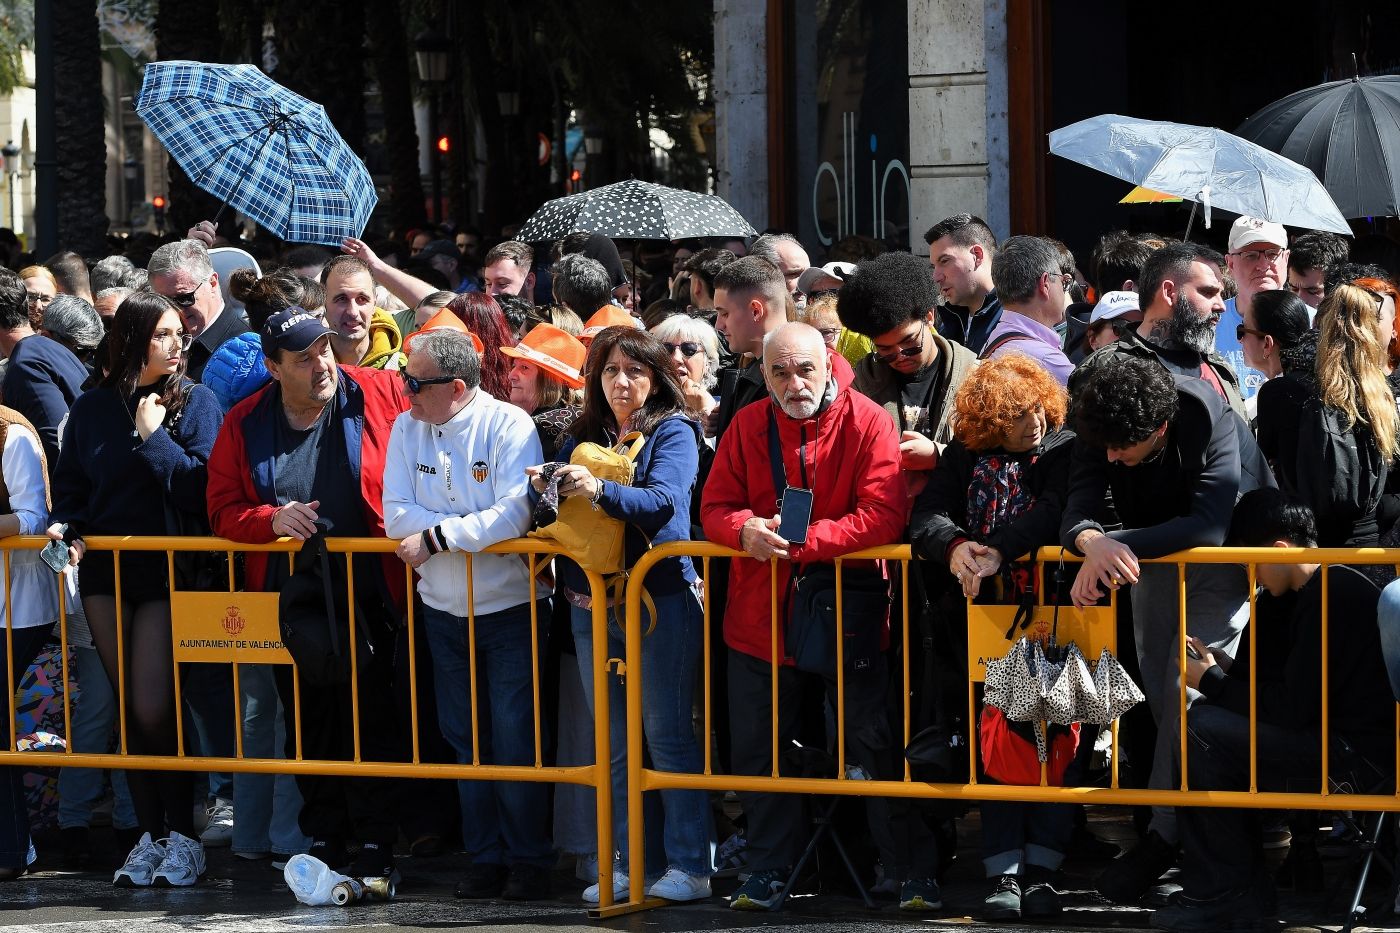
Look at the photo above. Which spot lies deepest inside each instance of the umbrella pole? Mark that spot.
(1190, 220)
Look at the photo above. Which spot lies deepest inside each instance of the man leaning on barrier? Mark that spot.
(455, 482)
(843, 449)
(1226, 883)
(309, 449)
(1176, 459)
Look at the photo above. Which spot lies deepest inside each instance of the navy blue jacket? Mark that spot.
(42, 380)
(110, 482)
(656, 506)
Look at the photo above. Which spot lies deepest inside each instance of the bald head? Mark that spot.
(796, 368)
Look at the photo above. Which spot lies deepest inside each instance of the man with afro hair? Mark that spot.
(1176, 460)
(913, 372)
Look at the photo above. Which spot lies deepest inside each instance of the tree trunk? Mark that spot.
(321, 57)
(389, 45)
(79, 134)
(187, 31)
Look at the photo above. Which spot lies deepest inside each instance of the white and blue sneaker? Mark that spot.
(141, 864)
(183, 864)
(760, 892)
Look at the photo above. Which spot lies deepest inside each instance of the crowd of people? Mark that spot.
(979, 404)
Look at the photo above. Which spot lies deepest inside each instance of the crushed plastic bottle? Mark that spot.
(312, 881)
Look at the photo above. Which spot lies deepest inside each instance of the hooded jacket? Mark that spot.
(859, 499)
(242, 495)
(385, 342)
(878, 382)
(1131, 344)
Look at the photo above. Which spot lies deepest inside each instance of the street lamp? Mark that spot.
(434, 54)
(11, 152)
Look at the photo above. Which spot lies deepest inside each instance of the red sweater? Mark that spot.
(241, 498)
(859, 499)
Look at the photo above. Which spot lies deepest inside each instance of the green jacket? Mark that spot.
(878, 382)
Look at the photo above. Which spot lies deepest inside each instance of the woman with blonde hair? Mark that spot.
(1348, 433)
(40, 287)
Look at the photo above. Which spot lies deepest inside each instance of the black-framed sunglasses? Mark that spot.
(1241, 330)
(904, 351)
(688, 348)
(415, 385)
(186, 299)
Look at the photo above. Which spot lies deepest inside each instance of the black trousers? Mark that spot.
(341, 808)
(777, 828)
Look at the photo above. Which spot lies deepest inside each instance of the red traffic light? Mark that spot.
(443, 144)
(158, 202)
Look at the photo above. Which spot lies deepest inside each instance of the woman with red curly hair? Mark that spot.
(994, 498)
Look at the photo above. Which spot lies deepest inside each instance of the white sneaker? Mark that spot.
(183, 864)
(586, 868)
(140, 865)
(218, 829)
(678, 886)
(621, 886)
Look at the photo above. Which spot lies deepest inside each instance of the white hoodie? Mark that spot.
(467, 475)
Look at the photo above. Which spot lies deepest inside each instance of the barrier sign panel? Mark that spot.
(221, 628)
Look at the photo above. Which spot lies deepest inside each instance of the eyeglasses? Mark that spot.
(186, 299)
(688, 349)
(38, 299)
(829, 335)
(904, 351)
(1241, 330)
(415, 385)
(1254, 255)
(179, 337)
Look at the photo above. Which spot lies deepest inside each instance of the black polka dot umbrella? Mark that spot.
(635, 210)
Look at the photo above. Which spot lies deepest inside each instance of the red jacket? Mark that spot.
(859, 499)
(241, 496)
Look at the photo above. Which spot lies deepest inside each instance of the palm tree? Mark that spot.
(389, 45)
(187, 31)
(81, 148)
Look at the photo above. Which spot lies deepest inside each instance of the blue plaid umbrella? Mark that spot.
(254, 144)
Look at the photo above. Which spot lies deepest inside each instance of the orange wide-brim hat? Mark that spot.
(555, 352)
(607, 316)
(446, 319)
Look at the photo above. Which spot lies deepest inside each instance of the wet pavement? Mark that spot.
(241, 896)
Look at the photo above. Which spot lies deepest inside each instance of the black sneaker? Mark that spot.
(1039, 897)
(526, 883)
(77, 849)
(374, 861)
(331, 852)
(1004, 903)
(482, 882)
(1237, 911)
(1127, 878)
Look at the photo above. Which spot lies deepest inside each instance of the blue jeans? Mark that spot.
(575, 814)
(207, 690)
(94, 716)
(503, 822)
(266, 805)
(1016, 835)
(670, 667)
(1388, 617)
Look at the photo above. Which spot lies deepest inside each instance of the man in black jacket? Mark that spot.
(42, 377)
(1176, 459)
(1225, 881)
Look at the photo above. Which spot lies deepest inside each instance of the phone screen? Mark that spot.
(796, 515)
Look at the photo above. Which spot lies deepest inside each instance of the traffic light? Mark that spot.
(158, 202)
(443, 144)
(158, 210)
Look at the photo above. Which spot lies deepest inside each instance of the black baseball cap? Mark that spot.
(293, 329)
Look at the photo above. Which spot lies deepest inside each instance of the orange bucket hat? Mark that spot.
(446, 319)
(555, 352)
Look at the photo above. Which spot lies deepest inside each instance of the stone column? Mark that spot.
(741, 108)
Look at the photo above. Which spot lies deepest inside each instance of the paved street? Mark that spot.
(249, 897)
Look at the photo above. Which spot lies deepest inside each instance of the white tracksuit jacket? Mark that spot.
(467, 475)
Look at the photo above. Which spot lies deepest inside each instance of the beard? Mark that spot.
(800, 406)
(1188, 330)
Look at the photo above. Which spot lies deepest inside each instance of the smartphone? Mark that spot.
(55, 554)
(1192, 653)
(795, 515)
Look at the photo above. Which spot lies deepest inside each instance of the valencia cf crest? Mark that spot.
(479, 471)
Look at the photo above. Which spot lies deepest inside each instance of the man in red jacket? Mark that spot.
(843, 448)
(310, 447)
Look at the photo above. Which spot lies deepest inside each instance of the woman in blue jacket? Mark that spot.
(134, 456)
(630, 386)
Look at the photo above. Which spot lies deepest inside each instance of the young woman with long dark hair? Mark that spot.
(134, 456)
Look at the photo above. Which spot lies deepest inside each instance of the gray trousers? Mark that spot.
(1217, 608)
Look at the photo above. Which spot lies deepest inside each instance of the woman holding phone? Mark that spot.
(134, 454)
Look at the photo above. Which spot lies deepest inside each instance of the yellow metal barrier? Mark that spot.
(238, 627)
(642, 779)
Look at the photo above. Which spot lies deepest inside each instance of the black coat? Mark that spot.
(940, 510)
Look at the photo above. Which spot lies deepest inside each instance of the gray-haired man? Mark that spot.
(181, 272)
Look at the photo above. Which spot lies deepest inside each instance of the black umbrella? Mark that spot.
(1347, 132)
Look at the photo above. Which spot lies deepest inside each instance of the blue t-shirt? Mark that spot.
(1227, 344)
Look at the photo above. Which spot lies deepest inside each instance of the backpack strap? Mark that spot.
(1000, 342)
(634, 442)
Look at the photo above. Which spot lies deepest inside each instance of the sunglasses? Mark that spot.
(1241, 330)
(903, 351)
(186, 299)
(688, 349)
(415, 385)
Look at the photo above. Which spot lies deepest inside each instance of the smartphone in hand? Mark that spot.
(795, 515)
(55, 553)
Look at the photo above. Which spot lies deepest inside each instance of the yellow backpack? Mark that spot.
(594, 539)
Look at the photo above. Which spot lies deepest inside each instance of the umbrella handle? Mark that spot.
(1190, 220)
